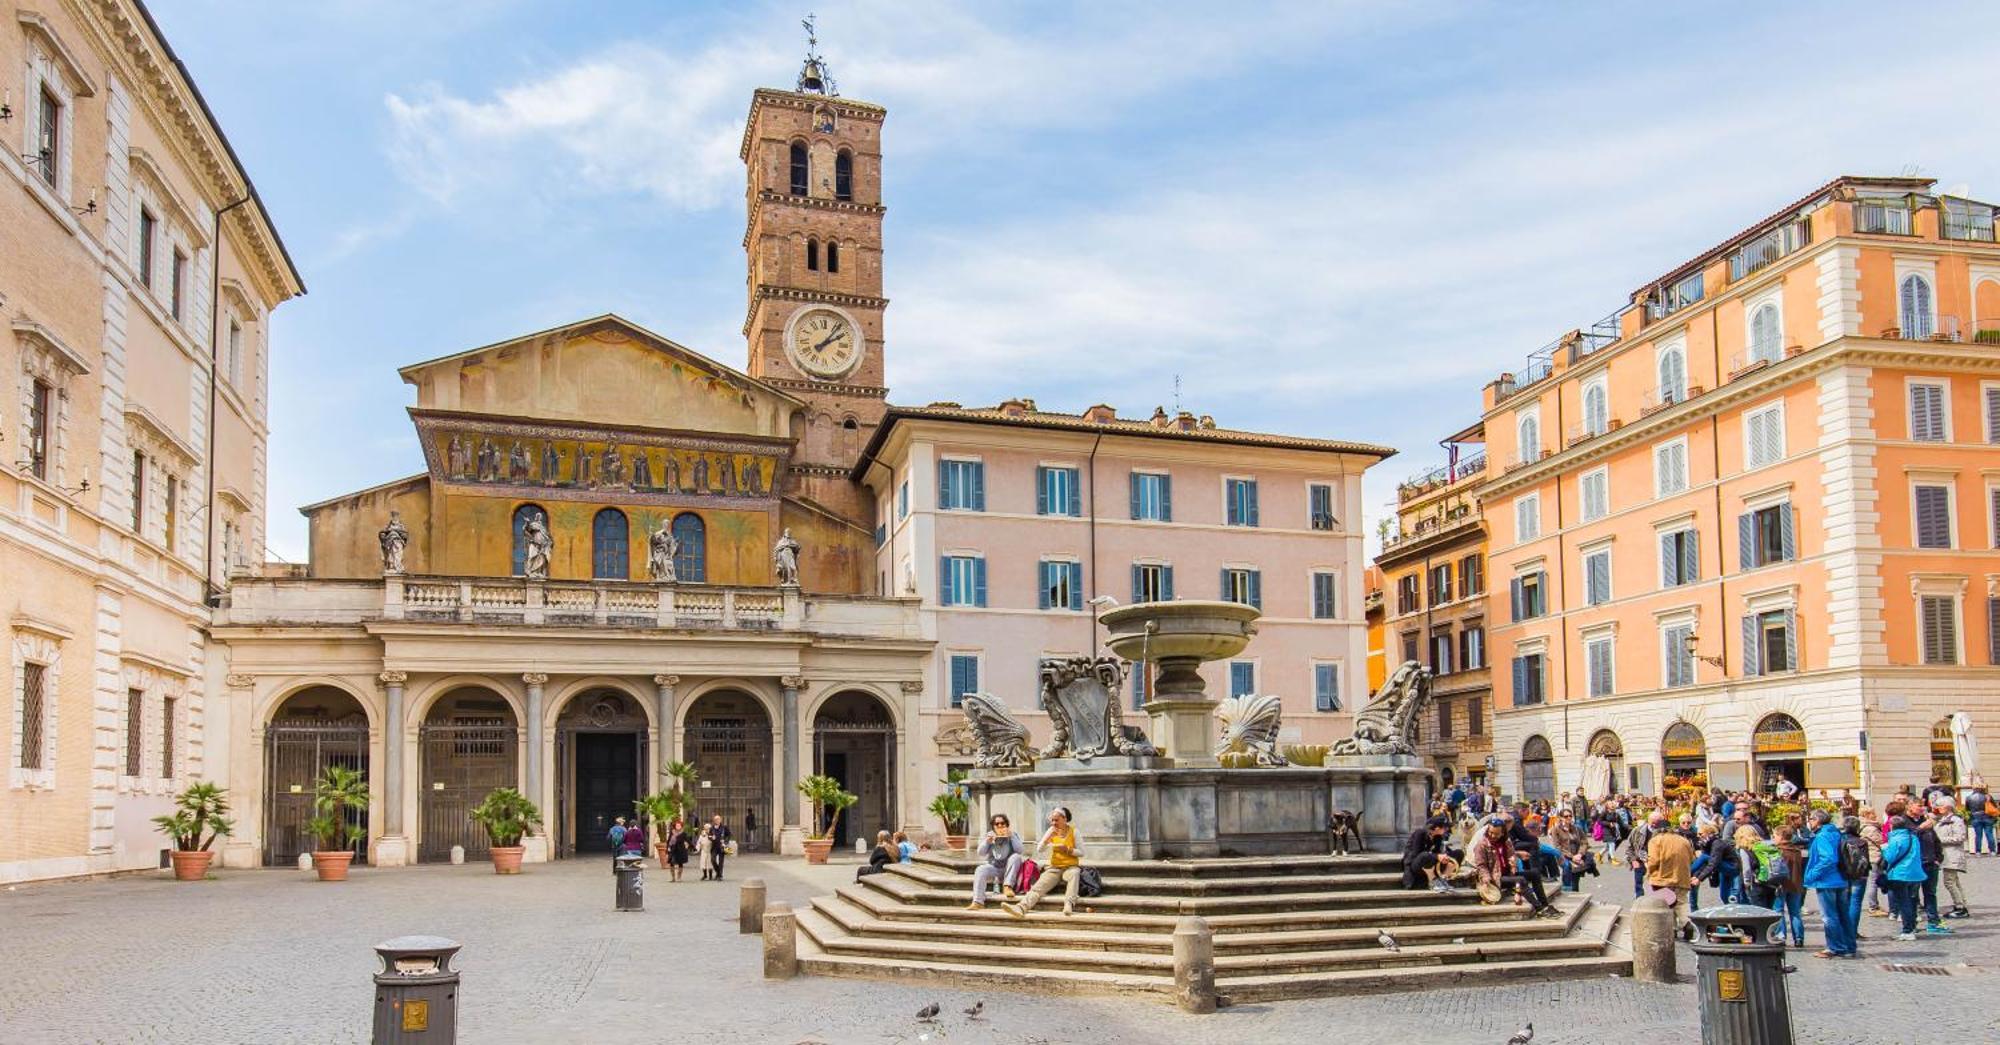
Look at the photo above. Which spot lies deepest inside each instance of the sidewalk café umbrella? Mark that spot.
(1965, 750)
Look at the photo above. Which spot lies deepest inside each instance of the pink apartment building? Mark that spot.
(1746, 528)
(1007, 521)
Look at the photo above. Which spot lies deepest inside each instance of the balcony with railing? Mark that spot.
(1657, 399)
(1471, 467)
(1584, 431)
(1944, 328)
(1785, 239)
(294, 601)
(1438, 521)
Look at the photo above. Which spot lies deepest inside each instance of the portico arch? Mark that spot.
(729, 741)
(470, 744)
(309, 726)
(603, 762)
(854, 741)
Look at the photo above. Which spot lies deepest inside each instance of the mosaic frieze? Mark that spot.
(582, 461)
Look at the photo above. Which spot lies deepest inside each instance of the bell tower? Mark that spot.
(813, 192)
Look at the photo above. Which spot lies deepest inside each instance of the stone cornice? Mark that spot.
(827, 387)
(814, 203)
(766, 291)
(775, 98)
(80, 82)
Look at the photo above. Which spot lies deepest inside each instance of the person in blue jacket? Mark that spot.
(1824, 878)
(1903, 870)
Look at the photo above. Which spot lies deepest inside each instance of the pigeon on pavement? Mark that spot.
(1523, 1036)
(1387, 941)
(928, 1012)
(974, 1012)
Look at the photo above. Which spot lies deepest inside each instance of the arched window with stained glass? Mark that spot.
(610, 554)
(691, 558)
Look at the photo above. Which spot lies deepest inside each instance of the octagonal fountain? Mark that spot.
(1133, 800)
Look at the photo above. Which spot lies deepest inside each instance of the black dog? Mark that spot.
(1346, 828)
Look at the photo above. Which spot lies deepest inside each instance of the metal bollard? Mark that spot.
(1742, 977)
(1194, 965)
(750, 908)
(1652, 941)
(630, 873)
(416, 993)
(781, 942)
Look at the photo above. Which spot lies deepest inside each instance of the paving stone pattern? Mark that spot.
(275, 957)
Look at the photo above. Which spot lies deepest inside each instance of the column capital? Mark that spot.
(394, 678)
(535, 678)
(239, 681)
(793, 681)
(666, 680)
(912, 685)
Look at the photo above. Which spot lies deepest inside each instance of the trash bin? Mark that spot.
(631, 875)
(1742, 977)
(416, 993)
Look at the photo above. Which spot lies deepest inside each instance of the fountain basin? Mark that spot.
(1199, 630)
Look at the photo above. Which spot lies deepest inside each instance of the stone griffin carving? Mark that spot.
(1081, 697)
(999, 739)
(1250, 723)
(1383, 727)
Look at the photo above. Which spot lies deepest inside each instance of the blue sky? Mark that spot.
(1330, 219)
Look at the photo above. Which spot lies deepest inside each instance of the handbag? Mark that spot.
(1024, 879)
(1089, 882)
(729, 848)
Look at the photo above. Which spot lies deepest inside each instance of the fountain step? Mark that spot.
(1119, 884)
(1206, 868)
(911, 891)
(857, 917)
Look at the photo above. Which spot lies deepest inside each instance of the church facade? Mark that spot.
(622, 554)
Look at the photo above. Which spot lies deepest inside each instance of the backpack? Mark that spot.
(1024, 879)
(1089, 882)
(1853, 858)
(617, 836)
(1772, 867)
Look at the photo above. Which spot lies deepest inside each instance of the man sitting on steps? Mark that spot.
(1064, 866)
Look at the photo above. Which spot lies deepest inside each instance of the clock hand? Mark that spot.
(828, 340)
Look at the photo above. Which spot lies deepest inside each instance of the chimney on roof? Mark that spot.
(1015, 407)
(1206, 421)
(1101, 414)
(1028, 404)
(1159, 418)
(1184, 421)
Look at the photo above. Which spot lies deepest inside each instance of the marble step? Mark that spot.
(1292, 985)
(908, 890)
(1116, 883)
(1204, 868)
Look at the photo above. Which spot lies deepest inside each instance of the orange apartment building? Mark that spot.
(1433, 570)
(1747, 527)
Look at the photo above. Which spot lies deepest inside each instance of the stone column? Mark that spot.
(791, 840)
(663, 696)
(392, 848)
(537, 846)
(245, 849)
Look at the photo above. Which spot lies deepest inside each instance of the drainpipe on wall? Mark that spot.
(210, 592)
(1093, 542)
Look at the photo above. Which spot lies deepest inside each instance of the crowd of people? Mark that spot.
(710, 845)
(1768, 850)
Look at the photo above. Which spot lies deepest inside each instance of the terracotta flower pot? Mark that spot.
(817, 848)
(660, 850)
(507, 858)
(191, 865)
(332, 867)
(955, 842)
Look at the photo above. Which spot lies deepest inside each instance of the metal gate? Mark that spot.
(296, 751)
(868, 758)
(1538, 780)
(463, 760)
(733, 759)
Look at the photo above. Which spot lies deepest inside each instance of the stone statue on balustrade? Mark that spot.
(540, 546)
(394, 538)
(785, 556)
(1000, 741)
(1250, 724)
(1081, 696)
(660, 562)
(1387, 724)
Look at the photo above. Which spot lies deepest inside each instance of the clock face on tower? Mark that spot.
(823, 343)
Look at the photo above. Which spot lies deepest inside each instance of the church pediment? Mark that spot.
(602, 371)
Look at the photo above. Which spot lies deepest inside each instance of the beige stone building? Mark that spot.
(138, 271)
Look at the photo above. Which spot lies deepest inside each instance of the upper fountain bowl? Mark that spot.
(1194, 628)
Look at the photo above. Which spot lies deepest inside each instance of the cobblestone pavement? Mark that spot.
(274, 956)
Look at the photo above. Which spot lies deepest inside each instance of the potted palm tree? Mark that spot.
(507, 816)
(198, 820)
(823, 793)
(953, 807)
(660, 807)
(340, 790)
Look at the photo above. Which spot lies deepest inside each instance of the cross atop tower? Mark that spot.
(814, 76)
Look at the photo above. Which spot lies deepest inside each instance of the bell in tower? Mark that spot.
(814, 78)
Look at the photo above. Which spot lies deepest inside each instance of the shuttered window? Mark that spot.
(1993, 631)
(1680, 558)
(1441, 652)
(1242, 678)
(1152, 582)
(1528, 680)
(1472, 648)
(1670, 468)
(1326, 687)
(962, 486)
(964, 677)
(1595, 493)
(1471, 575)
(1927, 413)
(135, 720)
(1673, 376)
(1244, 586)
(962, 580)
(1597, 577)
(1770, 642)
(1061, 585)
(1527, 595)
(1767, 535)
(1596, 410)
(1597, 655)
(1933, 512)
(1152, 496)
(1939, 618)
(1057, 491)
(1764, 437)
(1993, 509)
(1325, 589)
(1319, 506)
(1241, 495)
(1527, 518)
(1915, 298)
(1764, 346)
(1440, 584)
(1677, 661)
(1993, 415)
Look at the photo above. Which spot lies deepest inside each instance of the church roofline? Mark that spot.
(610, 319)
(308, 509)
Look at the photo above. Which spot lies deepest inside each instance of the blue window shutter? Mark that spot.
(1787, 524)
(1041, 491)
(1691, 557)
(979, 582)
(1746, 540)
(1166, 498)
(1752, 661)
(1514, 595)
(1133, 486)
(1076, 493)
(1520, 681)
(1166, 583)
(1993, 631)
(1670, 566)
(944, 484)
(944, 580)
(1257, 589)
(1791, 639)
(1250, 491)
(1043, 581)
(1222, 588)
(978, 470)
(1138, 584)
(1075, 585)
